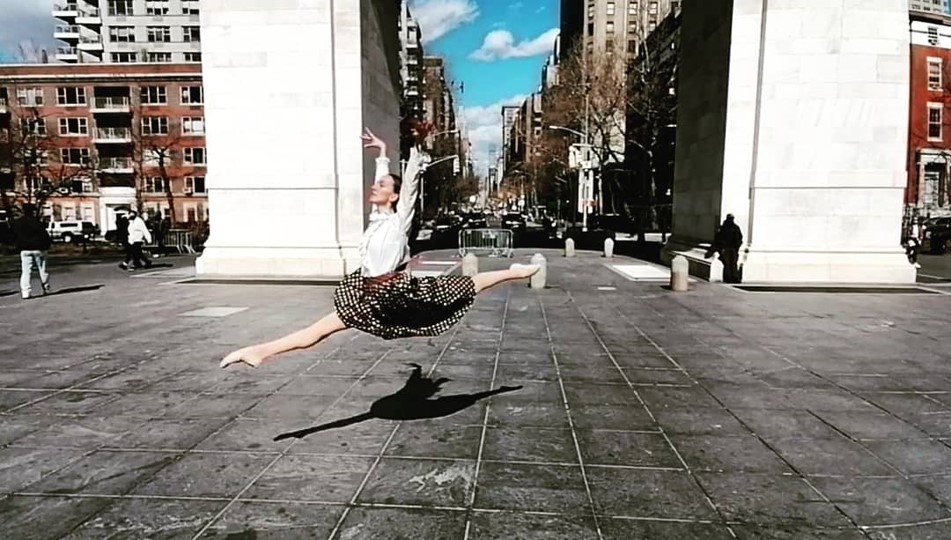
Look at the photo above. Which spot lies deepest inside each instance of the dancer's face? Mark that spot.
(383, 192)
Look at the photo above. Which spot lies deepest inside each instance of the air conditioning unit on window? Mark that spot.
(63, 191)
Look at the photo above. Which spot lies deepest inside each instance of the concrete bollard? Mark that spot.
(679, 270)
(538, 280)
(470, 264)
(569, 248)
(608, 248)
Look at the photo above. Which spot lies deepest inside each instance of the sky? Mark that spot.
(495, 47)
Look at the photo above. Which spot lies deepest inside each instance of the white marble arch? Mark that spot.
(793, 116)
(289, 85)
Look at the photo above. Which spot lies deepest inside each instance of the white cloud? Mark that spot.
(484, 125)
(24, 21)
(439, 17)
(500, 44)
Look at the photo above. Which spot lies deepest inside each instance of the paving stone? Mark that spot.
(327, 479)
(22, 467)
(436, 441)
(398, 523)
(626, 448)
(643, 493)
(915, 456)
(502, 526)
(205, 475)
(699, 421)
(274, 521)
(626, 529)
(529, 487)
(159, 519)
(830, 457)
(419, 482)
(30, 518)
(612, 417)
(104, 472)
(529, 444)
(168, 433)
(881, 501)
(548, 415)
(728, 454)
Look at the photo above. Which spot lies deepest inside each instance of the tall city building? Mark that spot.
(509, 116)
(930, 6)
(411, 64)
(127, 31)
(611, 25)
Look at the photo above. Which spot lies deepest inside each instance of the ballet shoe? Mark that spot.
(525, 270)
(241, 355)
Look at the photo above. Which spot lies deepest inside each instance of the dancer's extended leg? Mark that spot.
(485, 280)
(301, 339)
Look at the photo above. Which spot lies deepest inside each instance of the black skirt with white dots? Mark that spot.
(400, 305)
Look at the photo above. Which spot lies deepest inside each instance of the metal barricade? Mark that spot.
(177, 239)
(491, 242)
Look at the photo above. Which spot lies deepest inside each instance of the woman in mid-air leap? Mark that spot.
(382, 298)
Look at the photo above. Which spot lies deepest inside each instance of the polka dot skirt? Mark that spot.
(402, 305)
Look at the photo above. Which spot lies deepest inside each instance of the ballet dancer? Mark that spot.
(382, 298)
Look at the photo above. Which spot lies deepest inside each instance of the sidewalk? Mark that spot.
(642, 414)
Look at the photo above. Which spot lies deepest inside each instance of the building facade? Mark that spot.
(127, 31)
(928, 193)
(930, 6)
(411, 65)
(104, 139)
(608, 26)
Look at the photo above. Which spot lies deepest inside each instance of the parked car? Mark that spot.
(513, 221)
(72, 231)
(445, 226)
(476, 220)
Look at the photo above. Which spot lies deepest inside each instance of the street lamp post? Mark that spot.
(584, 174)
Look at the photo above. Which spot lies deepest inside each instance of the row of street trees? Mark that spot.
(37, 164)
(627, 107)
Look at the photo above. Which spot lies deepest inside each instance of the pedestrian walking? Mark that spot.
(139, 235)
(33, 241)
(382, 298)
(728, 240)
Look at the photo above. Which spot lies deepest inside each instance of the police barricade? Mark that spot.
(177, 239)
(491, 242)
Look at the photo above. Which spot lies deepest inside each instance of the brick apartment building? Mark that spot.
(102, 138)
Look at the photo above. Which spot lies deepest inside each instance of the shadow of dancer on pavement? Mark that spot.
(412, 402)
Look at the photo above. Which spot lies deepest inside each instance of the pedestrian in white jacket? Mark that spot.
(138, 236)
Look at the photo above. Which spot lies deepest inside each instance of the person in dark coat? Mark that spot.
(33, 241)
(729, 238)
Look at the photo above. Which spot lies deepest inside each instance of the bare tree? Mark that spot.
(32, 169)
(156, 148)
(29, 52)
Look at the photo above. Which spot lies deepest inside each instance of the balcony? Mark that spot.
(89, 16)
(113, 135)
(69, 10)
(116, 165)
(67, 54)
(66, 32)
(111, 104)
(90, 44)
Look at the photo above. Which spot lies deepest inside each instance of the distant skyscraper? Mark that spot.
(128, 31)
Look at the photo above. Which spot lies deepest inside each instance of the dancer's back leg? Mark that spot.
(301, 339)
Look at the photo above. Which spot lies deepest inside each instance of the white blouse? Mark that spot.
(385, 244)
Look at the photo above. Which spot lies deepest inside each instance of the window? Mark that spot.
(935, 111)
(632, 7)
(160, 57)
(610, 8)
(123, 57)
(193, 57)
(191, 34)
(932, 35)
(155, 125)
(74, 156)
(190, 7)
(590, 11)
(193, 126)
(72, 127)
(30, 97)
(156, 7)
(934, 74)
(155, 184)
(33, 126)
(191, 213)
(122, 34)
(192, 95)
(159, 34)
(632, 46)
(153, 95)
(609, 27)
(120, 8)
(652, 7)
(590, 29)
(71, 95)
(195, 155)
(195, 184)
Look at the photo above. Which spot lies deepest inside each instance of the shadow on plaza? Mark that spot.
(58, 292)
(412, 402)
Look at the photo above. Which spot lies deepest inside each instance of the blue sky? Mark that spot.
(496, 47)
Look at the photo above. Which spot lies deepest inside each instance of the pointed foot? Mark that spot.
(525, 270)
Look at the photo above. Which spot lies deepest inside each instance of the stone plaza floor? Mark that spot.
(642, 413)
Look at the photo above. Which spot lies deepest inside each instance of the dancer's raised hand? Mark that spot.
(372, 141)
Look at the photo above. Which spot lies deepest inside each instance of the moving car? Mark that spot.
(72, 231)
(513, 221)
